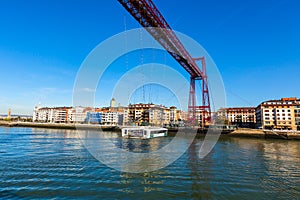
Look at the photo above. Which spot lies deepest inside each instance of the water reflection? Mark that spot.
(277, 160)
(200, 186)
(142, 182)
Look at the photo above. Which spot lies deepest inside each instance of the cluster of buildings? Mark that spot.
(273, 114)
(134, 114)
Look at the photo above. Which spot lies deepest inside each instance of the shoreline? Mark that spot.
(58, 126)
(266, 134)
(241, 132)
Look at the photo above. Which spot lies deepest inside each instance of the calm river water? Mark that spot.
(45, 163)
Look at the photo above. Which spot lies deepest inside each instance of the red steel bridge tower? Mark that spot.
(147, 14)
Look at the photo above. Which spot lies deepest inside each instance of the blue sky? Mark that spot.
(255, 44)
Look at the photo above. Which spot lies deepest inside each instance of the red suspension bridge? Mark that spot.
(147, 14)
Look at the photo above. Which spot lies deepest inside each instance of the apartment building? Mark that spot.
(203, 118)
(297, 115)
(51, 115)
(60, 114)
(78, 114)
(139, 114)
(151, 114)
(181, 115)
(110, 118)
(279, 114)
(159, 115)
(239, 116)
(93, 117)
(42, 114)
(173, 115)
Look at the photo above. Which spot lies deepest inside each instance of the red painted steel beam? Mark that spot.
(146, 13)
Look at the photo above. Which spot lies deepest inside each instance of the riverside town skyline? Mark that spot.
(281, 114)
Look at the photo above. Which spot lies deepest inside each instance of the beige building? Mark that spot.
(297, 115)
(151, 114)
(173, 115)
(143, 114)
(112, 103)
(9, 114)
(202, 118)
(279, 114)
(181, 116)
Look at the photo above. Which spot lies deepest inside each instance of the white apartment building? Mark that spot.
(60, 115)
(51, 115)
(42, 114)
(110, 118)
(78, 114)
(123, 116)
(279, 114)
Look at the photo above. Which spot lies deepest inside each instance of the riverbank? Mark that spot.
(266, 134)
(59, 126)
(241, 132)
